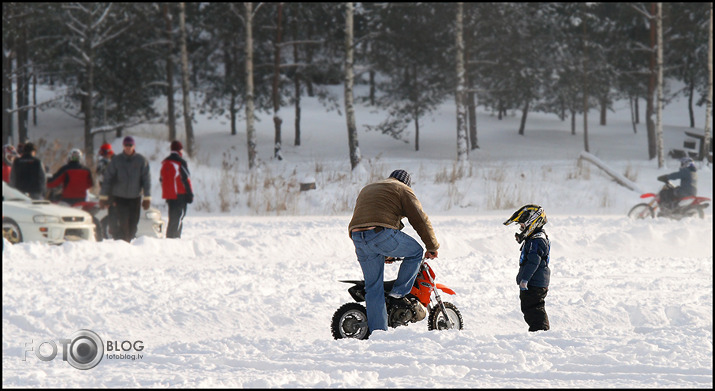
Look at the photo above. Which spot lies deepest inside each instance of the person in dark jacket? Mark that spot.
(74, 177)
(176, 188)
(28, 173)
(688, 177)
(126, 181)
(534, 274)
(375, 229)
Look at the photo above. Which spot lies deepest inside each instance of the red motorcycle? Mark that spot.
(350, 320)
(685, 207)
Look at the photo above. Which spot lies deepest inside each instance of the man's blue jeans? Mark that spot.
(371, 248)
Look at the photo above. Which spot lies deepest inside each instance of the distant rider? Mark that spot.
(688, 184)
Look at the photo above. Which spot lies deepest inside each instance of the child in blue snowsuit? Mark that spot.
(534, 273)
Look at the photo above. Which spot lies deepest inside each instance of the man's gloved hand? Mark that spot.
(519, 237)
(663, 178)
(522, 285)
(189, 198)
(146, 204)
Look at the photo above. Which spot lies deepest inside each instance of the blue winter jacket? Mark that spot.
(688, 181)
(534, 261)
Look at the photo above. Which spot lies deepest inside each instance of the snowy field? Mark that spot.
(245, 298)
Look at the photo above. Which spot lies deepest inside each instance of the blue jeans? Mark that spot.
(371, 249)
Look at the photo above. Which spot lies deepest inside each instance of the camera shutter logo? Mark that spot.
(85, 350)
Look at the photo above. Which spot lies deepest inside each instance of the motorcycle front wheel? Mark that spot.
(641, 211)
(350, 321)
(438, 321)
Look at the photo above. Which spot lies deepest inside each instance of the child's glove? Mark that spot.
(522, 285)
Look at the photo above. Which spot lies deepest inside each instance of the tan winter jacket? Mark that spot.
(385, 203)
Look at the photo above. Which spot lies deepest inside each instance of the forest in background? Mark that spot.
(112, 62)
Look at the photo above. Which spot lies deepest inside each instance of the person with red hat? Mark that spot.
(176, 188)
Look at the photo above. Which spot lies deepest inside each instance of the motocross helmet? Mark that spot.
(75, 155)
(687, 162)
(532, 216)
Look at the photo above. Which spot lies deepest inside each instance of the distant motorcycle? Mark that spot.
(350, 320)
(686, 207)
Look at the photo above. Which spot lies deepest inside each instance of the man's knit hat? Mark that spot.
(176, 145)
(402, 176)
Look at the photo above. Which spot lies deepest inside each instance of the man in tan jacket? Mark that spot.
(375, 229)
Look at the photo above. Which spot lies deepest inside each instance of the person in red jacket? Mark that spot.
(74, 178)
(9, 154)
(176, 188)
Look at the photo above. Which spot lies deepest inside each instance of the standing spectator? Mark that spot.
(74, 177)
(28, 173)
(375, 230)
(9, 154)
(176, 188)
(126, 179)
(105, 156)
(534, 273)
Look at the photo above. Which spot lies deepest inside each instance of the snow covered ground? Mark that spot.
(245, 298)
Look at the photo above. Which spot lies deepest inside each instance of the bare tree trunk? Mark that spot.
(709, 103)
(171, 111)
(472, 111)
(650, 124)
(185, 87)
(584, 60)
(460, 90)
(250, 128)
(88, 105)
(6, 97)
(277, 120)
(604, 110)
(633, 114)
(296, 82)
(524, 113)
(573, 122)
(659, 107)
(21, 62)
(691, 114)
(349, 81)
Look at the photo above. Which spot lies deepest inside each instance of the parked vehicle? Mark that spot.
(686, 206)
(27, 220)
(150, 222)
(350, 320)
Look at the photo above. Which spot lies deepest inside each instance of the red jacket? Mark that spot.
(6, 169)
(174, 177)
(75, 179)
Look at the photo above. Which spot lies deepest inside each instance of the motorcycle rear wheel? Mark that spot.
(438, 321)
(350, 321)
(641, 211)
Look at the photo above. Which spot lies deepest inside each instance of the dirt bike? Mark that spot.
(685, 207)
(350, 320)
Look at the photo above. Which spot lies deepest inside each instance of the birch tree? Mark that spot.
(185, 85)
(171, 112)
(460, 90)
(709, 100)
(277, 120)
(659, 66)
(250, 115)
(349, 80)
